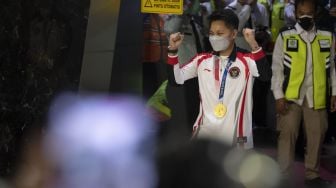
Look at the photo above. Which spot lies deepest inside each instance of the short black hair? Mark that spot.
(229, 18)
(298, 2)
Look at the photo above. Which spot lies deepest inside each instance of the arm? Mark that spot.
(258, 55)
(278, 69)
(177, 74)
(278, 77)
(263, 66)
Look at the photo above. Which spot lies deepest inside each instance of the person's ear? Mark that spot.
(235, 33)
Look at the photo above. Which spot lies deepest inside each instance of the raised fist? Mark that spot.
(175, 40)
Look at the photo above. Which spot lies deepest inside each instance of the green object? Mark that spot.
(159, 100)
(278, 20)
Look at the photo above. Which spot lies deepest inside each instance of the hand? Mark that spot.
(249, 36)
(175, 40)
(333, 104)
(281, 106)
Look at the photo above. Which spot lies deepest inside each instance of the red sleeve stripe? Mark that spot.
(206, 56)
(202, 56)
(217, 69)
(172, 60)
(192, 59)
(258, 55)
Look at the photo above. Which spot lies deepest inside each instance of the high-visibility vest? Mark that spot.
(295, 58)
(278, 20)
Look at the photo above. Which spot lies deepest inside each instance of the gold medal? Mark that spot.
(220, 110)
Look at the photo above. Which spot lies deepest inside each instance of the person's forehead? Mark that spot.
(218, 23)
(305, 7)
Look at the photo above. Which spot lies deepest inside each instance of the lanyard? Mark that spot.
(222, 87)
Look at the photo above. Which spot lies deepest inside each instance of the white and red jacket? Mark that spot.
(236, 126)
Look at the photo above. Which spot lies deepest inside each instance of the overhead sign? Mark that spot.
(162, 6)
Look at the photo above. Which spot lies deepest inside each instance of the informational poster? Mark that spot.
(162, 6)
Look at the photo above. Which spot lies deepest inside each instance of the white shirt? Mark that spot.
(237, 95)
(307, 86)
(259, 16)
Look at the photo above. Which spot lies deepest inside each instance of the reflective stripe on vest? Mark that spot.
(296, 57)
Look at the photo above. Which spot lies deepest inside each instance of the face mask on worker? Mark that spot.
(306, 22)
(219, 43)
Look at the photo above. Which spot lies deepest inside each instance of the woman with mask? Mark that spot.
(225, 79)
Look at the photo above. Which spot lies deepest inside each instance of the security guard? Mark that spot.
(303, 65)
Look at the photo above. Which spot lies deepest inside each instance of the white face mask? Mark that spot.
(219, 43)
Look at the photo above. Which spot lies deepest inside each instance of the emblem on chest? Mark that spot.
(234, 72)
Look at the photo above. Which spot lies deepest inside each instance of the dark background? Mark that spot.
(41, 49)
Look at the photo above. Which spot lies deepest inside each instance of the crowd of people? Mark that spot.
(206, 76)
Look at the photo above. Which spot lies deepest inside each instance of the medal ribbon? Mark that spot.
(222, 87)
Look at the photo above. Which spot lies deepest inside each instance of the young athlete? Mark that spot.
(225, 79)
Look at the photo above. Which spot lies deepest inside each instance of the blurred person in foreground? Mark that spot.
(207, 163)
(225, 79)
(304, 86)
(93, 142)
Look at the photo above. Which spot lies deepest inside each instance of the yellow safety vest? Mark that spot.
(278, 20)
(295, 50)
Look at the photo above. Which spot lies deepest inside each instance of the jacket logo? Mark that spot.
(234, 72)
